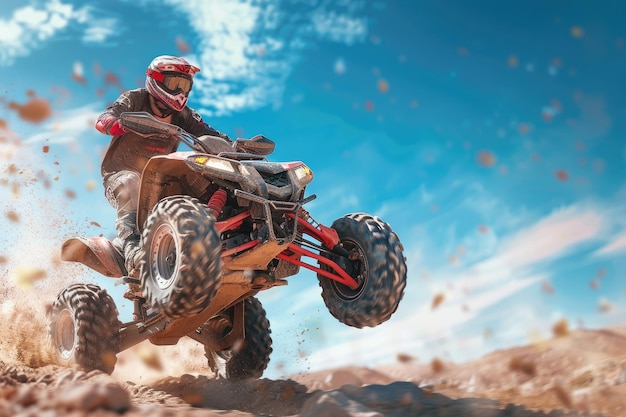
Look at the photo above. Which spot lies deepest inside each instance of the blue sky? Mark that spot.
(490, 135)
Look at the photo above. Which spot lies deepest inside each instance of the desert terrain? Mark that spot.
(574, 373)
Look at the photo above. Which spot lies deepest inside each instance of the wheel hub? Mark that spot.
(163, 257)
(65, 337)
(356, 266)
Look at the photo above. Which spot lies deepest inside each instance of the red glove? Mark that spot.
(117, 129)
(110, 125)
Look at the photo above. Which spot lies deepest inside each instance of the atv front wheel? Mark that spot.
(248, 357)
(180, 258)
(376, 263)
(84, 328)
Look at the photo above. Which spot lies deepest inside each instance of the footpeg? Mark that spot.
(127, 280)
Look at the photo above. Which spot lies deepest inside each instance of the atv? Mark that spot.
(219, 224)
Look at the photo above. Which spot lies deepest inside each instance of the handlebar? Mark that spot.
(146, 125)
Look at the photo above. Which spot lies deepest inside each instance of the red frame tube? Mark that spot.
(326, 235)
(240, 248)
(232, 222)
(342, 276)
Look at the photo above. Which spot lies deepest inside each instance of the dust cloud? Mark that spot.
(36, 217)
(33, 220)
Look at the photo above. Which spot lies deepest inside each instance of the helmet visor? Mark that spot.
(177, 83)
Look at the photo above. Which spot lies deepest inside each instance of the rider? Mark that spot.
(168, 83)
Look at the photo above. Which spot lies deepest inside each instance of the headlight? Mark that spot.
(216, 163)
(304, 174)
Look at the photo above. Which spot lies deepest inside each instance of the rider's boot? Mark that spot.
(126, 226)
(131, 256)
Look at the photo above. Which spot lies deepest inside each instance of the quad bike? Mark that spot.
(219, 224)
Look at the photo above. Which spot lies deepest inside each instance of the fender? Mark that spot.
(153, 179)
(98, 253)
(156, 183)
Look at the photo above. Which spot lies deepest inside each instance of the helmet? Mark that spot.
(169, 79)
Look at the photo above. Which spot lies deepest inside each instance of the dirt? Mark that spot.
(582, 373)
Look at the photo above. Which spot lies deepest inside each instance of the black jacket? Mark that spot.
(131, 151)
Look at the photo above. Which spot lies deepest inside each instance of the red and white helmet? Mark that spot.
(169, 79)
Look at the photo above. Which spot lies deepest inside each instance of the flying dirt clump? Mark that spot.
(36, 110)
(25, 276)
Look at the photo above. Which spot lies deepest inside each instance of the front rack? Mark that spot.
(276, 207)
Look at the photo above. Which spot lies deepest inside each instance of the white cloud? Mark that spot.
(30, 17)
(99, 30)
(339, 27)
(546, 240)
(340, 66)
(69, 126)
(30, 27)
(238, 70)
(614, 246)
(248, 50)
(556, 235)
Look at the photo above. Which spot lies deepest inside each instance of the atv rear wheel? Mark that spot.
(84, 328)
(248, 357)
(180, 257)
(376, 263)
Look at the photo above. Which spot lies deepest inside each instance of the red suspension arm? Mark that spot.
(232, 222)
(341, 276)
(326, 235)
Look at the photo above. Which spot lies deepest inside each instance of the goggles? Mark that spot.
(174, 82)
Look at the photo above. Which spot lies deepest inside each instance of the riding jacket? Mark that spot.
(130, 151)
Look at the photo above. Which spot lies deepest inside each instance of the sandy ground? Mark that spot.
(580, 373)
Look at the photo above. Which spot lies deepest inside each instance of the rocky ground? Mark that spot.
(580, 373)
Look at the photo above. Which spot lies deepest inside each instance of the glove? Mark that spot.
(117, 129)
